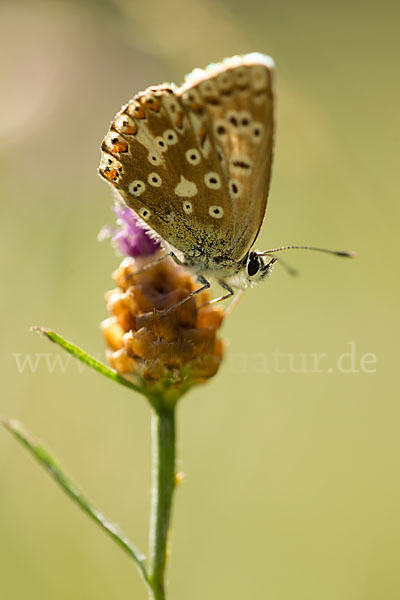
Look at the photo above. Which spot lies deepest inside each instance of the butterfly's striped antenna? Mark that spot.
(350, 254)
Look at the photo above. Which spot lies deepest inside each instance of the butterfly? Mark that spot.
(194, 163)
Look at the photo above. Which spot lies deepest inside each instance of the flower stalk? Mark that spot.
(159, 358)
(163, 485)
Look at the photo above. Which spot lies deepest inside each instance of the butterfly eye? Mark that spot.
(253, 266)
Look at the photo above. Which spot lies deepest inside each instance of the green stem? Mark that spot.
(87, 359)
(53, 468)
(163, 484)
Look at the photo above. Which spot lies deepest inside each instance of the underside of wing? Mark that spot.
(239, 99)
(194, 162)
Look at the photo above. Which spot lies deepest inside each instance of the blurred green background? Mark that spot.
(292, 478)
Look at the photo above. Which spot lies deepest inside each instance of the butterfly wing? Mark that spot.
(239, 97)
(165, 167)
(178, 158)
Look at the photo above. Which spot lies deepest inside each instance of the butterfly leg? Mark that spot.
(205, 285)
(233, 304)
(151, 264)
(155, 262)
(224, 285)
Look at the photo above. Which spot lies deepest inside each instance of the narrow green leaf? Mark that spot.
(87, 359)
(54, 469)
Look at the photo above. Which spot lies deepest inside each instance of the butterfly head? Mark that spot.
(257, 267)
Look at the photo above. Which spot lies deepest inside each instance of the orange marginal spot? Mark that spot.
(179, 119)
(139, 112)
(120, 146)
(131, 129)
(149, 101)
(111, 174)
(154, 106)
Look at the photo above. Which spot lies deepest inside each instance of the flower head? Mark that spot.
(130, 238)
(166, 353)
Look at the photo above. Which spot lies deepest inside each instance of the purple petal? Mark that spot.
(129, 236)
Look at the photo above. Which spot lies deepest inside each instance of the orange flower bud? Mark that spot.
(178, 349)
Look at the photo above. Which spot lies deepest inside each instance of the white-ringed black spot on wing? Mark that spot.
(232, 117)
(235, 188)
(240, 165)
(145, 213)
(193, 156)
(241, 77)
(225, 82)
(208, 87)
(221, 129)
(160, 143)
(212, 180)
(245, 121)
(154, 179)
(192, 99)
(172, 106)
(170, 136)
(209, 91)
(259, 77)
(187, 207)
(136, 188)
(217, 212)
(257, 132)
(154, 158)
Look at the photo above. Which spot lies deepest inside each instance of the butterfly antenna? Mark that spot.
(350, 254)
(290, 270)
